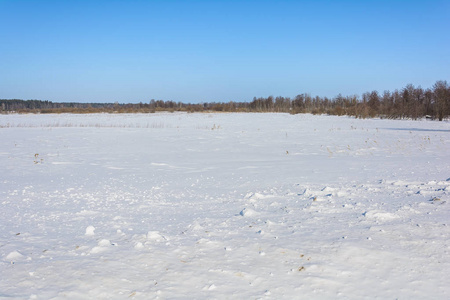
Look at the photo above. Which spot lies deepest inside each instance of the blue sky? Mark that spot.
(197, 51)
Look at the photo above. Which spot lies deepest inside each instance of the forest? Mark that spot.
(409, 102)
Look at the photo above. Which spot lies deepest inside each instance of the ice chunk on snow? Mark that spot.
(90, 230)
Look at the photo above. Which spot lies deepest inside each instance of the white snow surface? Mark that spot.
(223, 206)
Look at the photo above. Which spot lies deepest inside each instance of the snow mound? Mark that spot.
(380, 215)
(256, 196)
(90, 230)
(104, 243)
(328, 189)
(102, 246)
(196, 226)
(259, 196)
(248, 212)
(138, 246)
(15, 255)
(86, 213)
(97, 249)
(155, 236)
(209, 287)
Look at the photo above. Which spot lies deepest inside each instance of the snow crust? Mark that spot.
(223, 206)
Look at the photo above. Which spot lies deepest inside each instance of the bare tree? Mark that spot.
(441, 99)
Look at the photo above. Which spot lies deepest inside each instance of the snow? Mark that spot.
(90, 229)
(265, 206)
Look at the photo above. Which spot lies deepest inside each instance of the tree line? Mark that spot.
(409, 102)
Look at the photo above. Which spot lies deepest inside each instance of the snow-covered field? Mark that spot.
(235, 206)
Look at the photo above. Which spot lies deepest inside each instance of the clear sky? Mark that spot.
(197, 51)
